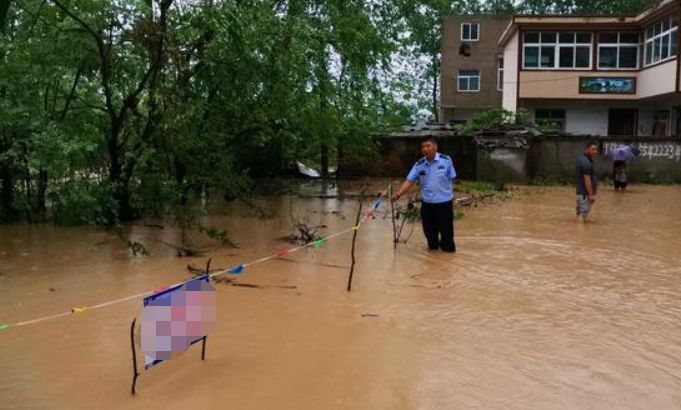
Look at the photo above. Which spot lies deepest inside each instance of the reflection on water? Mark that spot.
(534, 312)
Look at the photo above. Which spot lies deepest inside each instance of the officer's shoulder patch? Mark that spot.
(421, 161)
(445, 156)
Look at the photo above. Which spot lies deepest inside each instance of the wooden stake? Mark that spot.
(354, 240)
(135, 374)
(392, 214)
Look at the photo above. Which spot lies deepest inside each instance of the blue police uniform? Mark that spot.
(437, 210)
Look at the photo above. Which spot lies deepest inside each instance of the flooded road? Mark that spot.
(533, 312)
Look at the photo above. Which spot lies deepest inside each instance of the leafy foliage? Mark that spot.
(114, 109)
(494, 118)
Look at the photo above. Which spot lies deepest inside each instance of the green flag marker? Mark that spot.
(319, 242)
(4, 327)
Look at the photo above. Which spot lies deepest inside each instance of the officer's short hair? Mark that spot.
(428, 139)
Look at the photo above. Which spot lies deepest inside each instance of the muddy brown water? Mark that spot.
(533, 312)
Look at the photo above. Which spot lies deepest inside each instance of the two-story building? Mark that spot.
(596, 75)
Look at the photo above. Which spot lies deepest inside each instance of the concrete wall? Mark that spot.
(554, 158)
(545, 158)
(461, 114)
(502, 164)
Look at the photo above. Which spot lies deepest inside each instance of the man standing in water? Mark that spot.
(435, 173)
(585, 180)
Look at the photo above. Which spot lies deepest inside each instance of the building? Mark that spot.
(617, 76)
(470, 75)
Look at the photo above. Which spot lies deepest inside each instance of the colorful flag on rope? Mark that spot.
(282, 252)
(236, 270)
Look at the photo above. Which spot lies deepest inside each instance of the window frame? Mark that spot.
(468, 78)
(500, 74)
(650, 37)
(557, 46)
(618, 46)
(470, 24)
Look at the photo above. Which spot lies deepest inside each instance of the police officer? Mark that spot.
(434, 172)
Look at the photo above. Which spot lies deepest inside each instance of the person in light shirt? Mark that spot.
(434, 173)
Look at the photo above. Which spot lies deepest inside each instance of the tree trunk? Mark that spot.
(436, 70)
(4, 8)
(41, 207)
(7, 210)
(28, 191)
(324, 161)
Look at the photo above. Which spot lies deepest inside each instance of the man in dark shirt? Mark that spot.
(585, 181)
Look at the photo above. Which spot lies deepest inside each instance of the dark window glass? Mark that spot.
(658, 28)
(665, 47)
(543, 114)
(649, 53)
(548, 37)
(607, 38)
(607, 57)
(584, 38)
(531, 37)
(532, 57)
(566, 38)
(474, 31)
(628, 57)
(656, 49)
(463, 84)
(466, 32)
(475, 83)
(557, 114)
(566, 57)
(675, 43)
(583, 57)
(629, 38)
(548, 57)
(666, 25)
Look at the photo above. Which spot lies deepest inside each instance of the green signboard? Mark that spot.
(607, 85)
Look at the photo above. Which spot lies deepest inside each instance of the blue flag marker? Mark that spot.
(235, 270)
(377, 204)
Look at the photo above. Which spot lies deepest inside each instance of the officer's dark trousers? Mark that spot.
(438, 225)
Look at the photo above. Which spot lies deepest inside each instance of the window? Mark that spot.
(618, 51)
(551, 117)
(469, 80)
(470, 31)
(661, 41)
(661, 123)
(500, 74)
(563, 50)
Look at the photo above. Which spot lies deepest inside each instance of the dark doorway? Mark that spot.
(622, 121)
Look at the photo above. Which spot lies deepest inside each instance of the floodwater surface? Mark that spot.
(533, 312)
